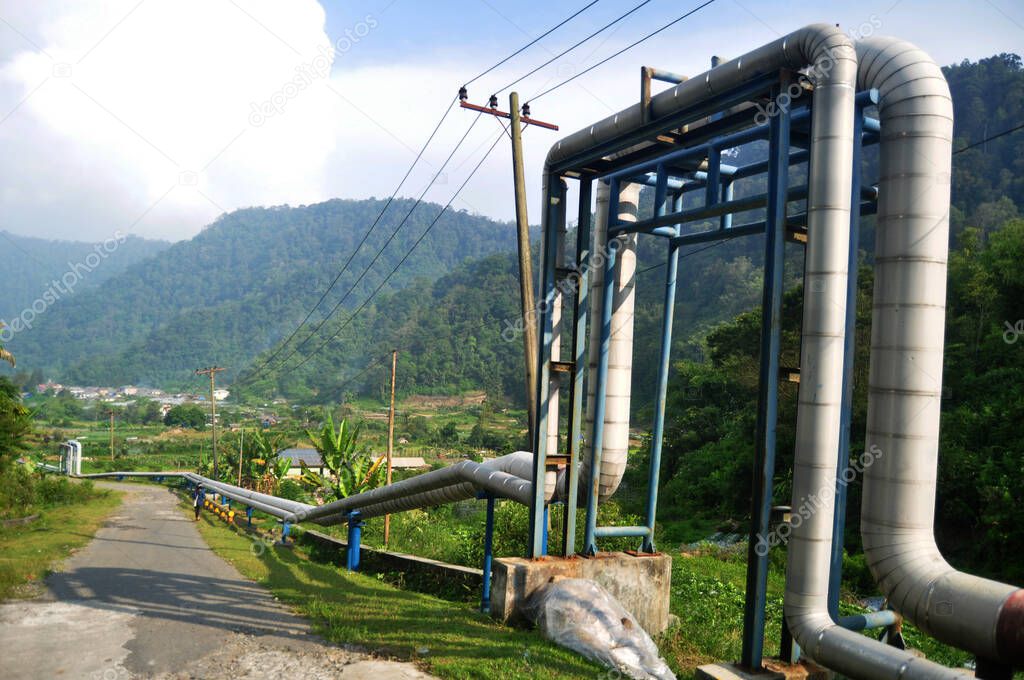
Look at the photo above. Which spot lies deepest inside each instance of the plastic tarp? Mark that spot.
(582, 616)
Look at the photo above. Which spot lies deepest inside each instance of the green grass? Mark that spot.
(28, 553)
(448, 639)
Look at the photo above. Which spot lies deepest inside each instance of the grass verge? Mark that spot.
(448, 639)
(28, 553)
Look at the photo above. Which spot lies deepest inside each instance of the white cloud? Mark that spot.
(124, 111)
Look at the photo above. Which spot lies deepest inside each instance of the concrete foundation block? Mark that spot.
(640, 583)
(773, 670)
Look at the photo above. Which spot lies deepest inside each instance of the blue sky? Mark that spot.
(151, 117)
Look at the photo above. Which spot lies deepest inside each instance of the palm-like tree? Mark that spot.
(352, 471)
(4, 354)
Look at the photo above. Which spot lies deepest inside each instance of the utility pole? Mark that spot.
(212, 371)
(110, 412)
(391, 439)
(525, 263)
(517, 117)
(241, 441)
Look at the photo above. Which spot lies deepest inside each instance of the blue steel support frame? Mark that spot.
(846, 414)
(768, 385)
(554, 214)
(485, 595)
(601, 375)
(668, 309)
(581, 299)
(674, 172)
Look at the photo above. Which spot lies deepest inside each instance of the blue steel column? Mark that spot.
(658, 430)
(485, 597)
(846, 415)
(767, 412)
(355, 535)
(601, 376)
(554, 194)
(579, 342)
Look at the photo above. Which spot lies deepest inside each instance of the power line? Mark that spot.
(377, 256)
(532, 42)
(405, 257)
(281, 347)
(989, 139)
(623, 50)
(366, 235)
(570, 49)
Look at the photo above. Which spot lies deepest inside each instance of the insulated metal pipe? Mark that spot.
(615, 440)
(905, 379)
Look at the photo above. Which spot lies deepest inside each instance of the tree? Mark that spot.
(15, 422)
(186, 415)
(351, 471)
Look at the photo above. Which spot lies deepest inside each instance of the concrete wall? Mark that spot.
(641, 583)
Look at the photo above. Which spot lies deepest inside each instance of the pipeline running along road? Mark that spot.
(147, 598)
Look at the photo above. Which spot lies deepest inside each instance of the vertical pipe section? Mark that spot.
(846, 415)
(768, 389)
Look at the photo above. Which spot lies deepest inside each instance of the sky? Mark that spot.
(154, 117)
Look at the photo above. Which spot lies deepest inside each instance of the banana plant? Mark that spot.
(4, 354)
(352, 471)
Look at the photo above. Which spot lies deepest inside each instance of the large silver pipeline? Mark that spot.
(615, 448)
(832, 60)
(905, 380)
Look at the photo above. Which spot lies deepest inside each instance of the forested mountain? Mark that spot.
(29, 266)
(238, 287)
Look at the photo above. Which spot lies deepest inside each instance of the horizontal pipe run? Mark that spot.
(621, 532)
(869, 620)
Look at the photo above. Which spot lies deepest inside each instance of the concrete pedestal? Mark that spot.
(773, 670)
(640, 583)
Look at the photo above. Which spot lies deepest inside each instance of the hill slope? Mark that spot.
(238, 287)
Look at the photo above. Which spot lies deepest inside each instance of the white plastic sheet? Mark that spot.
(582, 616)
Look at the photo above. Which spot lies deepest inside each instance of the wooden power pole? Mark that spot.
(212, 371)
(517, 117)
(525, 264)
(391, 439)
(110, 413)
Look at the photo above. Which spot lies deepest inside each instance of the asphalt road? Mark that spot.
(148, 598)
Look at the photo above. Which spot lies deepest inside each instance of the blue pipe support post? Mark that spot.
(485, 595)
(553, 215)
(248, 516)
(664, 367)
(286, 529)
(547, 519)
(601, 376)
(355, 535)
(835, 575)
(581, 300)
(767, 412)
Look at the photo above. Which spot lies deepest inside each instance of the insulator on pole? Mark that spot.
(493, 102)
(463, 94)
(526, 109)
